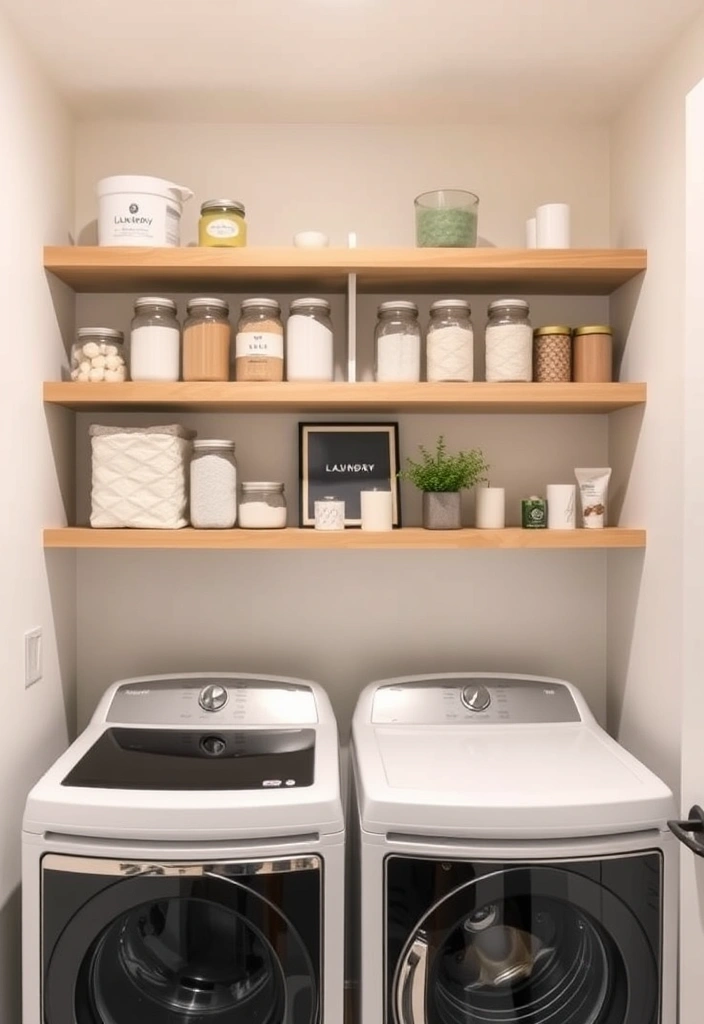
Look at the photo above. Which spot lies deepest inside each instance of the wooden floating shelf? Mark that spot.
(341, 397)
(310, 540)
(527, 271)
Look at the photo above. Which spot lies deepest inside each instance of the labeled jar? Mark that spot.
(98, 354)
(262, 506)
(222, 224)
(509, 341)
(450, 341)
(206, 340)
(155, 340)
(593, 354)
(309, 341)
(213, 485)
(552, 354)
(259, 343)
(397, 342)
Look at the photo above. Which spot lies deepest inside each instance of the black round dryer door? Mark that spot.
(181, 950)
(527, 945)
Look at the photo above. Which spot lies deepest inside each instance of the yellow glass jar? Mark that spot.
(222, 223)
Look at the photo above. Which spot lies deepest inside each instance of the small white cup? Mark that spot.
(531, 233)
(311, 240)
(553, 226)
(561, 500)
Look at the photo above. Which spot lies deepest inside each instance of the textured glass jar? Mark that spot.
(309, 341)
(155, 340)
(206, 340)
(213, 485)
(509, 341)
(222, 224)
(450, 341)
(397, 342)
(259, 343)
(98, 354)
(263, 506)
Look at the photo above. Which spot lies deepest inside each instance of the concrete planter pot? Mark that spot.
(442, 510)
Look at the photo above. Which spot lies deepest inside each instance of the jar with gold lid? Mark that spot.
(222, 224)
(552, 354)
(593, 354)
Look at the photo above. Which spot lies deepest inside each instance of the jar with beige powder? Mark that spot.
(259, 343)
(206, 340)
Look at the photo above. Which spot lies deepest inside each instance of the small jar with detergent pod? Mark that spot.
(98, 354)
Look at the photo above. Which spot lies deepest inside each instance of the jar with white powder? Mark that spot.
(509, 341)
(213, 485)
(155, 340)
(397, 342)
(309, 341)
(450, 341)
(262, 506)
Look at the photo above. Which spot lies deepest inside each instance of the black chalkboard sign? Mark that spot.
(340, 460)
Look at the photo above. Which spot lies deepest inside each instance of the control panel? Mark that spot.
(474, 700)
(220, 702)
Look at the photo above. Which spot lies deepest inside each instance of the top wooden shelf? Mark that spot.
(527, 271)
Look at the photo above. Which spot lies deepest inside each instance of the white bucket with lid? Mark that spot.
(134, 209)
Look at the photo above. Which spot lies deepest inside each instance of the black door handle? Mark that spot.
(695, 825)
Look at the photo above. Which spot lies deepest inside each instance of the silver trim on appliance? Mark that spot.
(411, 986)
(132, 868)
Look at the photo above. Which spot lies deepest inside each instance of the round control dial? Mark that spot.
(212, 697)
(214, 746)
(476, 698)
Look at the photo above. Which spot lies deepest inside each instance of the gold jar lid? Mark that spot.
(593, 329)
(561, 329)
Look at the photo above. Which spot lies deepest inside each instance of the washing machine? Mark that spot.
(183, 860)
(516, 866)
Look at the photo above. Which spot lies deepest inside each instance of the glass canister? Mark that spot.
(98, 353)
(206, 340)
(262, 506)
(447, 217)
(259, 343)
(552, 354)
(309, 341)
(509, 341)
(397, 342)
(213, 485)
(450, 341)
(155, 340)
(222, 224)
(593, 354)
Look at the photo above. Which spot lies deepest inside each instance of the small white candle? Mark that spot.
(491, 508)
(377, 511)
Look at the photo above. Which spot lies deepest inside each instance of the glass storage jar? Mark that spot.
(262, 506)
(309, 341)
(509, 341)
(450, 341)
(98, 353)
(213, 485)
(259, 343)
(206, 340)
(155, 340)
(397, 342)
(222, 224)
(552, 354)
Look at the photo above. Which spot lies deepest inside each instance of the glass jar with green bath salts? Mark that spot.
(447, 218)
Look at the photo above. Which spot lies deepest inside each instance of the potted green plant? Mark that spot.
(441, 476)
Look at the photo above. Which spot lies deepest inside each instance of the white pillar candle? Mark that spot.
(531, 234)
(491, 508)
(377, 511)
(561, 506)
(553, 226)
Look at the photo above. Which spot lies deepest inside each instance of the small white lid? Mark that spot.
(509, 304)
(266, 303)
(451, 304)
(201, 303)
(385, 307)
(316, 303)
(100, 332)
(154, 300)
(261, 485)
(213, 445)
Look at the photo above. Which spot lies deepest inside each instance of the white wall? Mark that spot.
(36, 454)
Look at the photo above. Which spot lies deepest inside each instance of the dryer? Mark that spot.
(516, 866)
(183, 860)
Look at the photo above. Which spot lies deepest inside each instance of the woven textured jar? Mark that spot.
(552, 354)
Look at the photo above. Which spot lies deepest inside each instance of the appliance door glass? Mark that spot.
(530, 945)
(205, 945)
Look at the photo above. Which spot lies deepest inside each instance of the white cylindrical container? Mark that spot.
(213, 485)
(329, 514)
(309, 341)
(134, 209)
(561, 500)
(377, 511)
(509, 341)
(450, 341)
(155, 340)
(531, 233)
(491, 508)
(553, 226)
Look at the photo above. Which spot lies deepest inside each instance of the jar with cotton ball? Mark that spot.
(98, 354)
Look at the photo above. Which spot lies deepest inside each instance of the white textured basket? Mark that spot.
(140, 477)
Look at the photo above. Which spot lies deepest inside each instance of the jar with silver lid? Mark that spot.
(262, 506)
(509, 341)
(98, 354)
(397, 342)
(450, 341)
(222, 224)
(259, 342)
(155, 340)
(213, 485)
(309, 341)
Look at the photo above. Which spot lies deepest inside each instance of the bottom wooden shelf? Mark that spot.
(311, 540)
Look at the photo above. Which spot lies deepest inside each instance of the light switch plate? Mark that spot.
(32, 656)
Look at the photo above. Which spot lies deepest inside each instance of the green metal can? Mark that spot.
(534, 513)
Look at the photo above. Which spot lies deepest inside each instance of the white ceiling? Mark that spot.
(348, 60)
